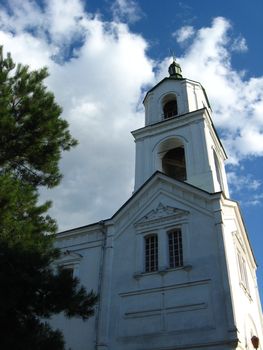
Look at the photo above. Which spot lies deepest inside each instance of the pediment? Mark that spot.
(160, 214)
(160, 201)
(69, 257)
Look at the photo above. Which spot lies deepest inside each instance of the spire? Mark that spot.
(175, 70)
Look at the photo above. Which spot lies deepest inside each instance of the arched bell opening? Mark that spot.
(172, 159)
(170, 108)
(173, 163)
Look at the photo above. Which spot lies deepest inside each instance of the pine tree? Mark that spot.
(32, 137)
(32, 134)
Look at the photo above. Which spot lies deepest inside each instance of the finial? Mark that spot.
(172, 53)
(174, 68)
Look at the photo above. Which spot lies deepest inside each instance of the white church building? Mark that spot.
(174, 267)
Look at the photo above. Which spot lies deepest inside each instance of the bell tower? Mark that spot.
(179, 138)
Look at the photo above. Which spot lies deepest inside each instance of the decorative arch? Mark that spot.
(250, 331)
(169, 106)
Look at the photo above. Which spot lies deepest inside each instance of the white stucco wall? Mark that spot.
(83, 249)
(196, 305)
(201, 305)
(192, 128)
(170, 307)
(245, 298)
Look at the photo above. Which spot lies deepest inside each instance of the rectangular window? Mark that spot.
(175, 248)
(69, 269)
(242, 270)
(151, 253)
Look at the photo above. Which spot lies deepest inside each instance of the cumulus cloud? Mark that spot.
(239, 45)
(239, 182)
(126, 10)
(245, 187)
(99, 83)
(237, 102)
(99, 86)
(183, 34)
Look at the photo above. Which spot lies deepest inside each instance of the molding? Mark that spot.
(170, 124)
(79, 245)
(170, 310)
(160, 214)
(163, 289)
(69, 257)
(162, 271)
(222, 344)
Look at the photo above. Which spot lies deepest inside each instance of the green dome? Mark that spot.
(175, 70)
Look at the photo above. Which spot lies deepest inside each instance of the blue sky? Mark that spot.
(103, 55)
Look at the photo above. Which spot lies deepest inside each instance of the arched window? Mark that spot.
(175, 248)
(173, 163)
(242, 270)
(151, 253)
(170, 108)
(218, 171)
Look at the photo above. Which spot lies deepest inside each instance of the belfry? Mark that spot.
(173, 267)
(179, 138)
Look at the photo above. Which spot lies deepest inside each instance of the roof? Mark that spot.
(135, 194)
(160, 82)
(101, 223)
(180, 79)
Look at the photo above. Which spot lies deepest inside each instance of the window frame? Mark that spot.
(169, 112)
(169, 98)
(70, 268)
(70, 260)
(151, 250)
(242, 270)
(175, 248)
(243, 266)
(159, 220)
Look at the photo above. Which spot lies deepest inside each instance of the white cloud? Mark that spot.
(28, 49)
(239, 45)
(99, 86)
(254, 200)
(21, 16)
(237, 102)
(240, 182)
(126, 10)
(184, 33)
(64, 18)
(246, 187)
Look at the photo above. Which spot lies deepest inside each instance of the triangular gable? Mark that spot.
(157, 187)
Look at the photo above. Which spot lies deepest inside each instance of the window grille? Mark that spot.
(151, 253)
(175, 248)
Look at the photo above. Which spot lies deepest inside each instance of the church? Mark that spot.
(173, 267)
